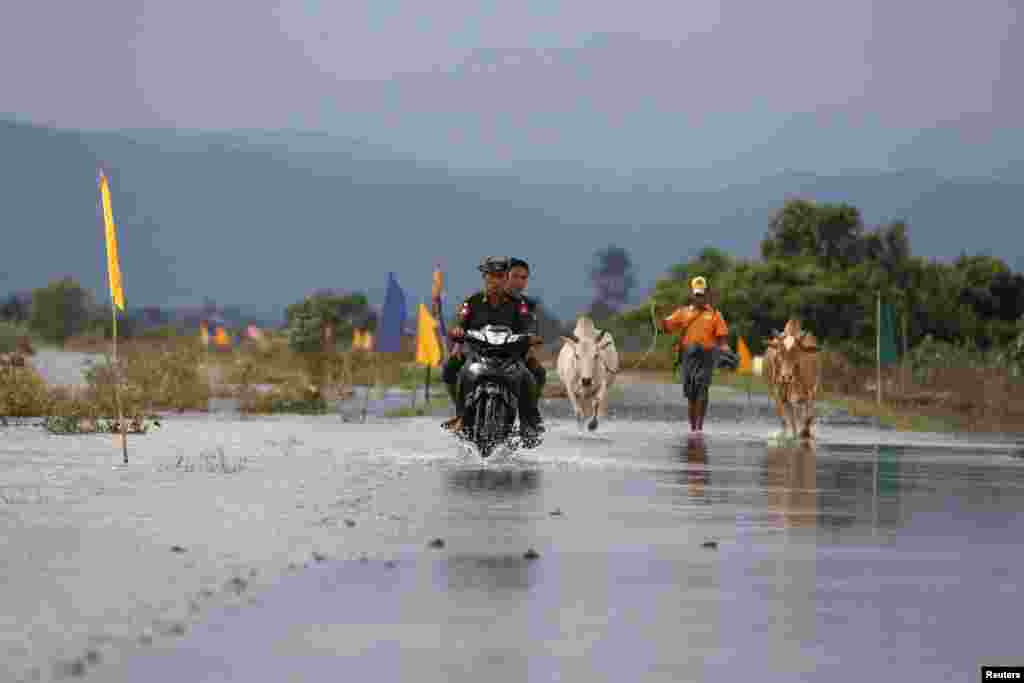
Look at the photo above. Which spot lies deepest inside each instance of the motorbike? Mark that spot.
(489, 386)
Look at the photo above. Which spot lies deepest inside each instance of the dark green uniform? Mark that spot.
(540, 373)
(476, 312)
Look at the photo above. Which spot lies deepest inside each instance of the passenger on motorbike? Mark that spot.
(518, 280)
(495, 305)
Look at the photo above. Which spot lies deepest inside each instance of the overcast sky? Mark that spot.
(861, 83)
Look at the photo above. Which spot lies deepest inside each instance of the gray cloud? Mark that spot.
(654, 84)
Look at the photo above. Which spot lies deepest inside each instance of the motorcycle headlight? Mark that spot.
(496, 338)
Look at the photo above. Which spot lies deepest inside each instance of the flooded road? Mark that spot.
(657, 558)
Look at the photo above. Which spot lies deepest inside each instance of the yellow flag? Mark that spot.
(746, 361)
(428, 349)
(113, 265)
(360, 340)
(221, 339)
(204, 334)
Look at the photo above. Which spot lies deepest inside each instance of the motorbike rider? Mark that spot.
(494, 305)
(518, 280)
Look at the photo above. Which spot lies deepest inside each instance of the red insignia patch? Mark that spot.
(523, 309)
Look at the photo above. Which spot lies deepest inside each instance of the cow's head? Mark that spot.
(788, 347)
(586, 349)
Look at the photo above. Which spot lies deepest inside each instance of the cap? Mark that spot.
(493, 264)
(699, 285)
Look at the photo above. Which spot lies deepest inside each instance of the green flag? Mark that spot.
(887, 351)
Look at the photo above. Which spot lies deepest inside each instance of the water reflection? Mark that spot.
(623, 589)
(789, 477)
(695, 469)
(862, 488)
(493, 480)
(487, 572)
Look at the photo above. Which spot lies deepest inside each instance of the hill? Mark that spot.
(260, 219)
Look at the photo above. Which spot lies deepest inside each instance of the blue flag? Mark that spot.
(389, 332)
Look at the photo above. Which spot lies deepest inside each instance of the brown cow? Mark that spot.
(791, 369)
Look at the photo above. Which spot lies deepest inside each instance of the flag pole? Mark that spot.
(904, 359)
(878, 351)
(117, 388)
(750, 379)
(116, 297)
(366, 397)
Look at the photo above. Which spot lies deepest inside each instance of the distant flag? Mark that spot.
(389, 332)
(253, 332)
(204, 333)
(221, 338)
(428, 349)
(888, 353)
(362, 340)
(113, 263)
(746, 366)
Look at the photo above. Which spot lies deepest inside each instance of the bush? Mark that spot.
(15, 337)
(292, 397)
(60, 310)
(23, 393)
(169, 378)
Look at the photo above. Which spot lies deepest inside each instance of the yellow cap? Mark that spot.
(698, 285)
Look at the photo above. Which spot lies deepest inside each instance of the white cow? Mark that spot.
(587, 365)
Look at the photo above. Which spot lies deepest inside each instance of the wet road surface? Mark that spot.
(841, 562)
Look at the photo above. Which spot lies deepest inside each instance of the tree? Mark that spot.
(612, 277)
(830, 232)
(60, 310)
(792, 231)
(334, 313)
(16, 307)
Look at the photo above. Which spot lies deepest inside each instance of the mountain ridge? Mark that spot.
(259, 219)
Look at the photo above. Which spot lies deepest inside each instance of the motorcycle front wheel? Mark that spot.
(490, 426)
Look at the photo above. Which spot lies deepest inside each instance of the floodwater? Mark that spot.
(867, 557)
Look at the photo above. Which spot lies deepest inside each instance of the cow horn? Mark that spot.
(808, 342)
(601, 336)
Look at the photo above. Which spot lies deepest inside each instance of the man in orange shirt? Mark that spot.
(703, 335)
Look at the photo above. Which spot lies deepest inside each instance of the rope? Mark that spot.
(654, 322)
